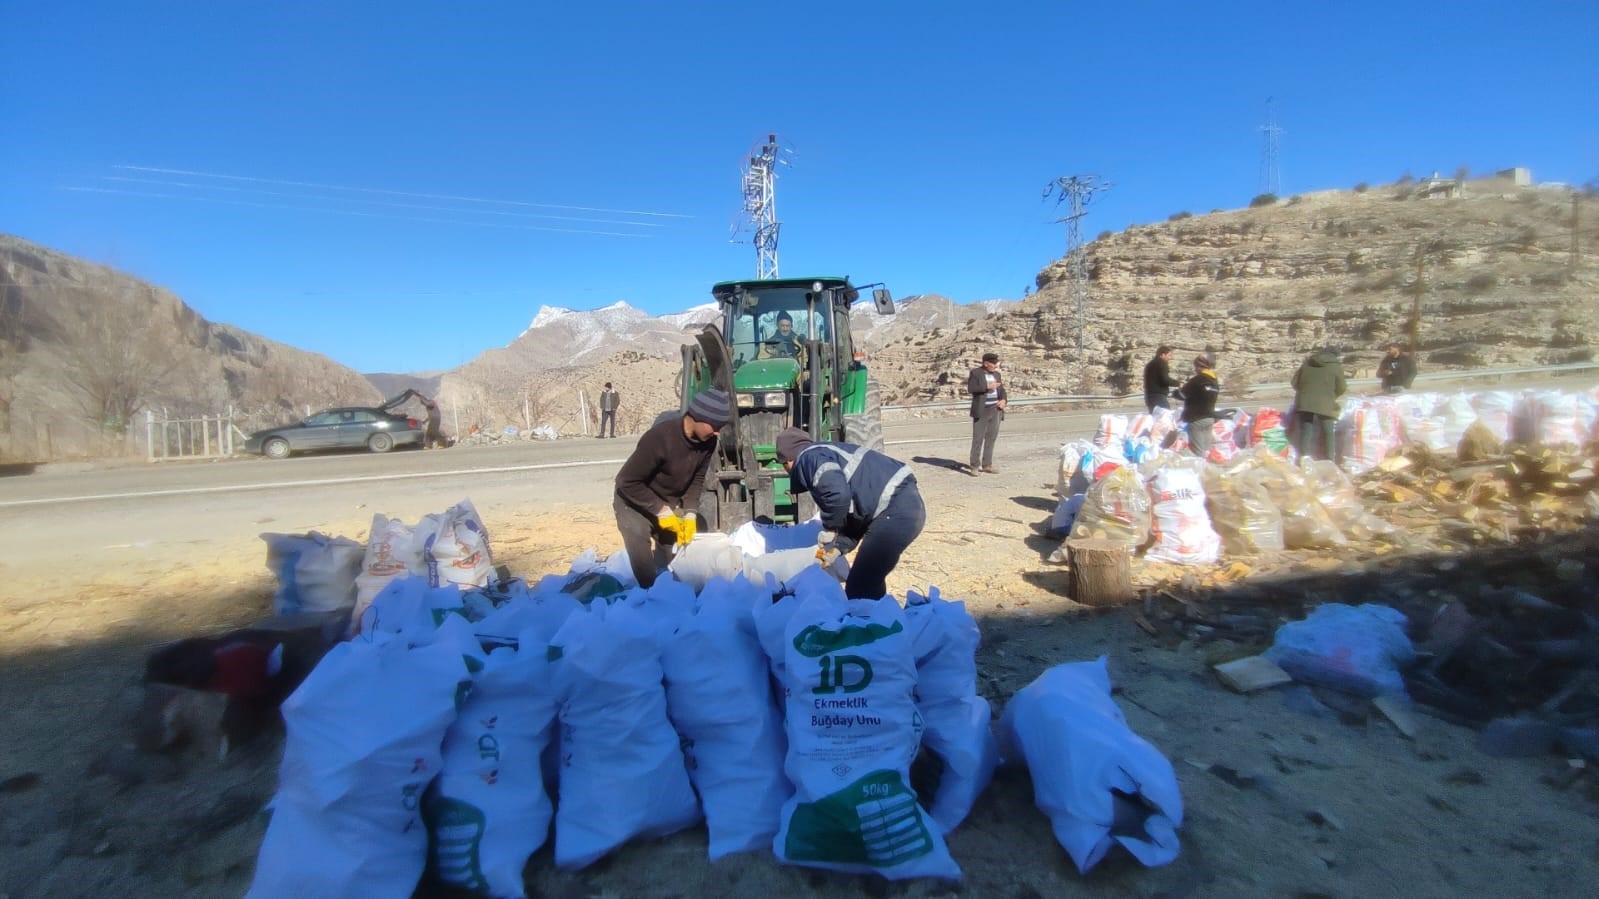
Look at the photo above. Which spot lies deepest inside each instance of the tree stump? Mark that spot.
(1100, 571)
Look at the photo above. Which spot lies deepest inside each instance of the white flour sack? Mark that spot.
(944, 639)
(455, 547)
(1100, 784)
(1181, 528)
(393, 549)
(853, 729)
(622, 773)
(488, 810)
(364, 732)
(719, 696)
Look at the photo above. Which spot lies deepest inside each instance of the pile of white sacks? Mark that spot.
(1137, 484)
(458, 725)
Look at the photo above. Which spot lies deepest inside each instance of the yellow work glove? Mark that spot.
(669, 523)
(687, 527)
(826, 547)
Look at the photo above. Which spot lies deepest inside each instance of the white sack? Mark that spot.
(756, 538)
(488, 811)
(393, 548)
(705, 558)
(853, 729)
(622, 773)
(1180, 524)
(719, 697)
(315, 572)
(944, 639)
(363, 741)
(1099, 783)
(455, 547)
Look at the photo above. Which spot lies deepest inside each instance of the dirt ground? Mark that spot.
(1279, 801)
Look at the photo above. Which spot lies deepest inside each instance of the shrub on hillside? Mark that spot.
(1362, 187)
(1481, 282)
(1262, 200)
(1179, 216)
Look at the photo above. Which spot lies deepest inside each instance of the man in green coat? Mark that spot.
(1317, 386)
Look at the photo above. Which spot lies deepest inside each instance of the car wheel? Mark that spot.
(380, 443)
(276, 448)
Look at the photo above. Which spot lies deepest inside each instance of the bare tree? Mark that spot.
(117, 358)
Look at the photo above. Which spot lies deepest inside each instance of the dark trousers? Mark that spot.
(884, 541)
(1201, 434)
(985, 433)
(649, 549)
(607, 415)
(1151, 403)
(1315, 429)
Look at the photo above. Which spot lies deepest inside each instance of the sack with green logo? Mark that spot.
(488, 811)
(719, 696)
(959, 734)
(1100, 784)
(622, 773)
(853, 729)
(364, 731)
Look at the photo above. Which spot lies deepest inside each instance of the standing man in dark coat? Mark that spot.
(659, 486)
(1397, 370)
(1158, 382)
(1199, 405)
(1318, 384)
(988, 410)
(609, 400)
(865, 498)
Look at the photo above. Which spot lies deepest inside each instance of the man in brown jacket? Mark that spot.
(658, 488)
(988, 410)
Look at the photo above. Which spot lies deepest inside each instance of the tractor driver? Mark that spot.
(784, 343)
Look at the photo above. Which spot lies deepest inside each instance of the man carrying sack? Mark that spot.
(865, 498)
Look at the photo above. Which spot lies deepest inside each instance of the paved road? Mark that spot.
(62, 516)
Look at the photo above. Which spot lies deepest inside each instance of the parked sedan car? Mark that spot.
(344, 428)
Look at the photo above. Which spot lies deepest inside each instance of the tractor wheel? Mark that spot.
(866, 429)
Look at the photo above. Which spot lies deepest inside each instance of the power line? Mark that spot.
(1077, 190)
(394, 193)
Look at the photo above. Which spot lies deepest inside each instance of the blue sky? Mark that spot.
(400, 174)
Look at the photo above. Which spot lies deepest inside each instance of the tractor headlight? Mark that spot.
(746, 401)
(777, 400)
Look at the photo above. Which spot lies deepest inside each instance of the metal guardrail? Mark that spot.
(1283, 387)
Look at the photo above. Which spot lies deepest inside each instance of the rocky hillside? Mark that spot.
(1260, 287)
(85, 350)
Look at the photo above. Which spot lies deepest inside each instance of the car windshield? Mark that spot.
(775, 327)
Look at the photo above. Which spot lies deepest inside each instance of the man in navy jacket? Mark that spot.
(865, 498)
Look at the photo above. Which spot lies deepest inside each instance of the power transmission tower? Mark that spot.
(1077, 190)
(758, 217)
(1270, 132)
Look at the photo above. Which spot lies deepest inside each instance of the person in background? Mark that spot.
(658, 488)
(609, 400)
(988, 410)
(866, 500)
(1397, 370)
(1318, 384)
(1158, 382)
(432, 433)
(1199, 405)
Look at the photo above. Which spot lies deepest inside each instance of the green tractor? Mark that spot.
(783, 351)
